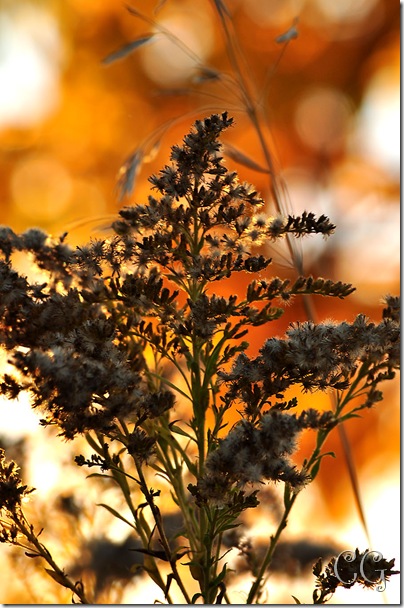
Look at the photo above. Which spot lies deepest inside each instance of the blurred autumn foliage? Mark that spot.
(71, 125)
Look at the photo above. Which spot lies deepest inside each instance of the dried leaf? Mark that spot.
(289, 35)
(152, 152)
(206, 74)
(127, 49)
(128, 173)
(239, 157)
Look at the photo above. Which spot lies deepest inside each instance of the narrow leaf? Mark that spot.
(180, 555)
(32, 554)
(206, 74)
(220, 577)
(59, 578)
(100, 475)
(222, 8)
(239, 157)
(156, 554)
(127, 49)
(116, 514)
(91, 442)
(176, 429)
(316, 467)
(128, 173)
(170, 578)
(160, 470)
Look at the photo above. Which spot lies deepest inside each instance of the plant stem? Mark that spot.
(59, 575)
(256, 586)
(163, 538)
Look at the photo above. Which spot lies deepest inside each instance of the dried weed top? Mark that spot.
(78, 340)
(96, 345)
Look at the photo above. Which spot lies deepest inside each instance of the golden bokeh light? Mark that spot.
(29, 65)
(345, 10)
(170, 60)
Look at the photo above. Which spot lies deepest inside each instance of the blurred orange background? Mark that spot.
(69, 123)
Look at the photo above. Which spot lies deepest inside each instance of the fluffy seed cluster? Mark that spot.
(256, 453)
(197, 191)
(319, 357)
(77, 340)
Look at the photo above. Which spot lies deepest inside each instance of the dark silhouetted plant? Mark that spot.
(130, 344)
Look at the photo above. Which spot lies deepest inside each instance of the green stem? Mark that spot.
(163, 538)
(120, 476)
(254, 591)
(176, 481)
(255, 588)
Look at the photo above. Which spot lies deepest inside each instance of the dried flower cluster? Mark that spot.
(254, 453)
(17, 531)
(12, 490)
(80, 347)
(97, 344)
(321, 356)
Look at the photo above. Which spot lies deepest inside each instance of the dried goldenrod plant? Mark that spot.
(130, 329)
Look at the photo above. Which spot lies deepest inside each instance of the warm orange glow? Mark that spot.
(322, 119)
(68, 123)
